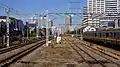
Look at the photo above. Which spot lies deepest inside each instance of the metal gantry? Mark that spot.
(67, 13)
(8, 12)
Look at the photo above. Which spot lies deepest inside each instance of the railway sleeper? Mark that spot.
(94, 62)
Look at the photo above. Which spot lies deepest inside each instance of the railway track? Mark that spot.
(7, 49)
(110, 52)
(98, 52)
(77, 45)
(84, 60)
(9, 55)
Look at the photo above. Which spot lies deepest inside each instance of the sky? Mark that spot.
(35, 6)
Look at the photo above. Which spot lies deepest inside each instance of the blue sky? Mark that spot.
(33, 6)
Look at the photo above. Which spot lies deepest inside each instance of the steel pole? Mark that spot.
(47, 35)
(37, 24)
(27, 32)
(7, 20)
(81, 34)
(41, 22)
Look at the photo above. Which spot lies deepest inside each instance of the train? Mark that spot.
(109, 36)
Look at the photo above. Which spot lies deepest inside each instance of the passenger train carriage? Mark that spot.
(109, 36)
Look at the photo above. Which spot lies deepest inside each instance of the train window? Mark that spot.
(111, 34)
(95, 34)
(91, 34)
(117, 36)
(107, 34)
(86, 34)
(114, 35)
(104, 34)
(100, 34)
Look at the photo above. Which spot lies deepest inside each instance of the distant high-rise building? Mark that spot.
(103, 6)
(68, 20)
(112, 6)
(96, 7)
(85, 16)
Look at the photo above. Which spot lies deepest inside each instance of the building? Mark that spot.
(68, 20)
(103, 6)
(112, 6)
(15, 24)
(3, 18)
(16, 29)
(95, 8)
(85, 16)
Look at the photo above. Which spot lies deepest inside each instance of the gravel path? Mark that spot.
(59, 55)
